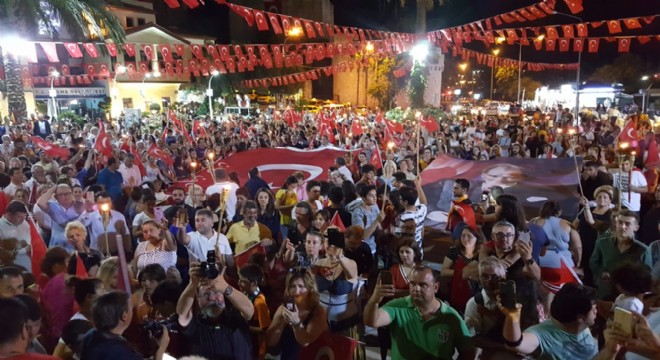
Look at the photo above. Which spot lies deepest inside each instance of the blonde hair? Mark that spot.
(309, 280)
(75, 225)
(108, 271)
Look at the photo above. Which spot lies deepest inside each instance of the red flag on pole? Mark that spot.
(628, 134)
(376, 160)
(466, 212)
(38, 248)
(49, 148)
(158, 153)
(356, 129)
(336, 221)
(331, 346)
(102, 143)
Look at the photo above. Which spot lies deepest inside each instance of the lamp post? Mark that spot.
(577, 76)
(645, 92)
(492, 72)
(52, 93)
(209, 92)
(369, 49)
(146, 76)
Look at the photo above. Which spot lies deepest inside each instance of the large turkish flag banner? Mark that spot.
(275, 165)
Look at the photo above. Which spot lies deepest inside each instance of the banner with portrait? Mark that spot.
(532, 181)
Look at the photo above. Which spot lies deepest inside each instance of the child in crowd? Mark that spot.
(249, 277)
(633, 281)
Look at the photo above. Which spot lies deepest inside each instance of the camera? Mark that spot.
(155, 327)
(209, 268)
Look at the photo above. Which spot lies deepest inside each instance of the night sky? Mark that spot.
(387, 15)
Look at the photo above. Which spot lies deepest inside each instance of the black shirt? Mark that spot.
(589, 185)
(99, 345)
(362, 257)
(227, 338)
(90, 259)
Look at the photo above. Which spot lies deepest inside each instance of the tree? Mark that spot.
(423, 6)
(83, 19)
(417, 85)
(381, 87)
(626, 69)
(507, 82)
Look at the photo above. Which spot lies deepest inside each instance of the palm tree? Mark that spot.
(423, 6)
(83, 19)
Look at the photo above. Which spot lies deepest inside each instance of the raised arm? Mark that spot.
(373, 315)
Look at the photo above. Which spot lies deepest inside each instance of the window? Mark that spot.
(141, 21)
(129, 22)
(128, 103)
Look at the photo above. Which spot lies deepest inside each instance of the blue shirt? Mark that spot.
(112, 182)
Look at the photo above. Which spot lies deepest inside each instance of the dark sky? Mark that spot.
(381, 14)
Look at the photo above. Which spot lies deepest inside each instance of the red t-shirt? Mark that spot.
(32, 356)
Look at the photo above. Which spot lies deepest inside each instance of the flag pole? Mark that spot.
(418, 115)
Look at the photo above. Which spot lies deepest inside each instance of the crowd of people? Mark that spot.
(138, 266)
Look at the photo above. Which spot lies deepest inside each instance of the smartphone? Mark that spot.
(508, 294)
(90, 196)
(623, 321)
(183, 217)
(525, 236)
(289, 304)
(484, 196)
(386, 278)
(158, 211)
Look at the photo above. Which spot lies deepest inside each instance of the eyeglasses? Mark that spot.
(504, 236)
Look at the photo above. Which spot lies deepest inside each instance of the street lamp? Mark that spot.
(209, 92)
(121, 69)
(577, 78)
(293, 32)
(419, 52)
(519, 94)
(146, 76)
(492, 72)
(52, 106)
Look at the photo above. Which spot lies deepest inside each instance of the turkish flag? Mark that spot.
(582, 30)
(593, 45)
(643, 39)
(49, 148)
(555, 272)
(91, 49)
(275, 165)
(628, 134)
(551, 32)
(614, 26)
(129, 48)
(547, 9)
(275, 23)
(564, 44)
(336, 221)
(166, 52)
(430, 124)
(261, 20)
(112, 49)
(191, 3)
(74, 50)
(578, 45)
(550, 44)
(376, 160)
(102, 144)
(466, 212)
(138, 160)
(158, 153)
(394, 126)
(241, 259)
(624, 45)
(38, 248)
(51, 51)
(356, 129)
(536, 12)
(575, 6)
(173, 4)
(568, 31)
(309, 29)
(632, 23)
(329, 346)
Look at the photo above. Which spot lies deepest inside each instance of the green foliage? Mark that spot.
(154, 106)
(626, 69)
(530, 86)
(41, 107)
(382, 87)
(402, 115)
(417, 85)
(70, 116)
(106, 104)
(203, 108)
(82, 18)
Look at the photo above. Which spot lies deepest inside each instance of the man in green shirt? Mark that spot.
(614, 248)
(421, 325)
